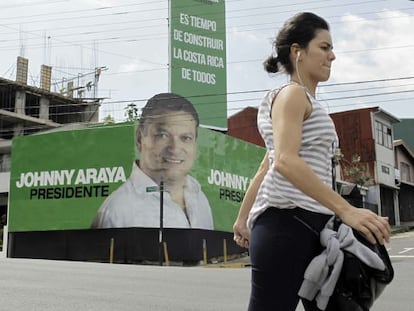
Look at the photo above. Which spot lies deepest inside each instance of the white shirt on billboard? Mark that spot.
(136, 204)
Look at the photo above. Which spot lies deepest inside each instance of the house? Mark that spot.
(243, 125)
(366, 142)
(404, 163)
(366, 134)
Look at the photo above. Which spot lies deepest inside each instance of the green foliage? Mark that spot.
(356, 171)
(109, 119)
(131, 112)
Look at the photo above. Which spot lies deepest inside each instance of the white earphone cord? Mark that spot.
(299, 77)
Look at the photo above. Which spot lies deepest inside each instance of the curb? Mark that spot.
(401, 229)
(246, 264)
(229, 265)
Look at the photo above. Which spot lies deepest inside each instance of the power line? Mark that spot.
(266, 90)
(157, 34)
(39, 127)
(117, 39)
(235, 12)
(32, 3)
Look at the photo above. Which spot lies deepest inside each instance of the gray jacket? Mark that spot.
(323, 272)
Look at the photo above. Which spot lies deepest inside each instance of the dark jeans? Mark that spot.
(282, 244)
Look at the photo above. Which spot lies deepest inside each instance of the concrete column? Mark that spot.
(44, 108)
(18, 130)
(397, 208)
(20, 102)
(91, 113)
(379, 199)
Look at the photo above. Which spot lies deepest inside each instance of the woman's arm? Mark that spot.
(241, 232)
(289, 110)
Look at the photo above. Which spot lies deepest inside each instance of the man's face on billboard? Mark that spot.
(168, 145)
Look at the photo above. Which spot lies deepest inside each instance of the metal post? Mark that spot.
(111, 251)
(225, 251)
(161, 231)
(205, 252)
(167, 258)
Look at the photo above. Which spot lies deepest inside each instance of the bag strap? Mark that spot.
(336, 155)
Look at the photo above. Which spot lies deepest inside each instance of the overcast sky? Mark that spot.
(373, 41)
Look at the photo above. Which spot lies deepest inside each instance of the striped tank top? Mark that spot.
(319, 139)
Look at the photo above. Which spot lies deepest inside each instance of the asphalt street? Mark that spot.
(45, 285)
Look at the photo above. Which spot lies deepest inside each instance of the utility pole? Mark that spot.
(161, 229)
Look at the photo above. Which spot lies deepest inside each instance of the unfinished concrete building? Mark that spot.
(26, 109)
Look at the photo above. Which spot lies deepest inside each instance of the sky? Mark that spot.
(128, 40)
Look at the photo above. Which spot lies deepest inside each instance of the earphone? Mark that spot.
(297, 70)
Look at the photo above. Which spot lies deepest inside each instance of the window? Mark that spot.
(383, 134)
(385, 169)
(405, 172)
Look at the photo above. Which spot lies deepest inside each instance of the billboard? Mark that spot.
(60, 180)
(198, 57)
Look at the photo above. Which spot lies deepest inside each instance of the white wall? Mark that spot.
(4, 182)
(385, 164)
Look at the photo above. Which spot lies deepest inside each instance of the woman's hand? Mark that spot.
(373, 227)
(241, 233)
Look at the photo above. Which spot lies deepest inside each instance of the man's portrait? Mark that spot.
(166, 140)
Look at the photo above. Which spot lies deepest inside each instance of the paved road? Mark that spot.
(41, 285)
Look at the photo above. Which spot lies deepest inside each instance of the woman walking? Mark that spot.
(290, 199)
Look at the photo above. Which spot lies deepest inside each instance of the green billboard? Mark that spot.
(60, 180)
(198, 57)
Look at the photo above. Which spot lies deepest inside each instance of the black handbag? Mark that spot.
(359, 285)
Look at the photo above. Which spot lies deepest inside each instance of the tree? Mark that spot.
(356, 171)
(108, 119)
(131, 112)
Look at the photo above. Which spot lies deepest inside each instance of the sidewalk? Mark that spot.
(244, 261)
(403, 227)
